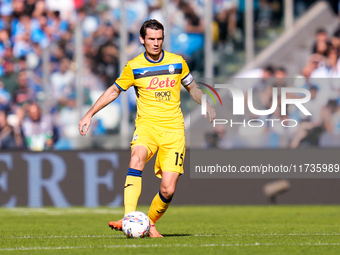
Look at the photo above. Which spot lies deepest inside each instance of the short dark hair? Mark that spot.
(153, 24)
(281, 69)
(332, 103)
(337, 33)
(270, 69)
(321, 30)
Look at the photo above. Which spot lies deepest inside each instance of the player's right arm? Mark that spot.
(194, 91)
(196, 94)
(107, 97)
(125, 80)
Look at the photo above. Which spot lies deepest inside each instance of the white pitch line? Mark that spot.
(196, 235)
(81, 236)
(160, 245)
(273, 234)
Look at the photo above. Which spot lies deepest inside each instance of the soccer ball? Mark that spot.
(136, 225)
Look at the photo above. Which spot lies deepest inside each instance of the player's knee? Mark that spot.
(167, 192)
(136, 162)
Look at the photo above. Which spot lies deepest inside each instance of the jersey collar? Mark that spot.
(150, 60)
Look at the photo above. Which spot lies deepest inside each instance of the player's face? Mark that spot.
(153, 41)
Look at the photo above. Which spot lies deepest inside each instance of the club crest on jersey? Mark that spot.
(171, 69)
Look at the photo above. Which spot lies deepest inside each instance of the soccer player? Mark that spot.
(157, 77)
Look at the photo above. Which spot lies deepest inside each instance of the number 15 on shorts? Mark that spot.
(179, 159)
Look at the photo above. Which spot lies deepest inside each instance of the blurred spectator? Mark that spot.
(62, 82)
(39, 31)
(56, 25)
(64, 7)
(327, 67)
(304, 80)
(22, 46)
(176, 17)
(39, 8)
(38, 128)
(9, 78)
(9, 138)
(194, 23)
(91, 81)
(336, 39)
(4, 41)
(21, 65)
(107, 63)
(331, 113)
(279, 135)
(226, 18)
(187, 33)
(259, 73)
(264, 89)
(215, 138)
(92, 7)
(280, 76)
(67, 120)
(264, 14)
(29, 7)
(5, 98)
(136, 11)
(321, 43)
(211, 140)
(280, 73)
(259, 77)
(18, 8)
(300, 6)
(311, 127)
(24, 93)
(315, 77)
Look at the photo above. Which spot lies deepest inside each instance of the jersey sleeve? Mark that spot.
(126, 79)
(186, 76)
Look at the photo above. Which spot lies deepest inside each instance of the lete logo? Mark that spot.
(155, 83)
(238, 100)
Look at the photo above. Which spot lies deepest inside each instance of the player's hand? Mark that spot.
(84, 125)
(211, 112)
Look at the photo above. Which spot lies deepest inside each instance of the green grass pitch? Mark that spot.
(187, 230)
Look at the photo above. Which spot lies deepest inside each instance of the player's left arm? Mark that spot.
(196, 94)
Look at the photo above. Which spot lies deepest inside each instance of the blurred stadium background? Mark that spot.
(58, 56)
